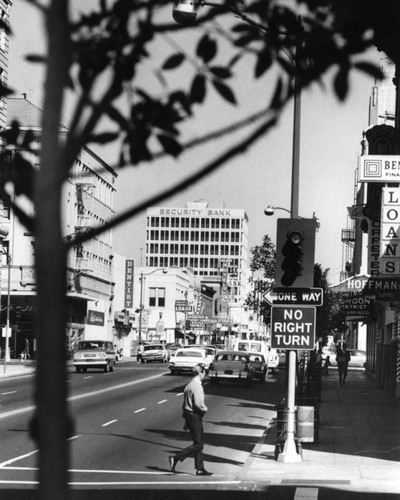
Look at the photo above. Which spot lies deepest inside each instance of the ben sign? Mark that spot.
(293, 327)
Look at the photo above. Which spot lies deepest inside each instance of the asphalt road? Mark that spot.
(128, 422)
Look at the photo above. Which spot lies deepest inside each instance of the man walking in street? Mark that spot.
(194, 409)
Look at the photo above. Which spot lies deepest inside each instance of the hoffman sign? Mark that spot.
(293, 327)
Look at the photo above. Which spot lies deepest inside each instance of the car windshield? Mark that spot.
(256, 358)
(189, 354)
(232, 357)
(95, 344)
(152, 347)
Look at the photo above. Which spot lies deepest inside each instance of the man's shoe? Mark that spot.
(203, 472)
(172, 463)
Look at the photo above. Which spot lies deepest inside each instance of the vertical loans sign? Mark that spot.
(390, 232)
(129, 268)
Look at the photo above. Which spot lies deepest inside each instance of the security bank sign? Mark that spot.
(293, 327)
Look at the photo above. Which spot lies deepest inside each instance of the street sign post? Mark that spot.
(293, 327)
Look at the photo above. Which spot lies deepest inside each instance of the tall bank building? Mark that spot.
(213, 241)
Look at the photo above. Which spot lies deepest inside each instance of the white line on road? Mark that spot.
(162, 401)
(148, 483)
(9, 392)
(109, 423)
(138, 411)
(82, 396)
(12, 460)
(179, 393)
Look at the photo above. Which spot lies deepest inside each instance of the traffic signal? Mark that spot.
(295, 250)
(292, 258)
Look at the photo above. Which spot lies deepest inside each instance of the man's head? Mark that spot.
(199, 371)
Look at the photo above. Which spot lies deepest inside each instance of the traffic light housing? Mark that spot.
(295, 249)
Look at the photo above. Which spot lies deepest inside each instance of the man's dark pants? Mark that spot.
(195, 424)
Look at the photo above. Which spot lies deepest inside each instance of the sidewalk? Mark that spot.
(15, 367)
(358, 447)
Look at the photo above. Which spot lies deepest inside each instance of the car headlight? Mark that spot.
(103, 355)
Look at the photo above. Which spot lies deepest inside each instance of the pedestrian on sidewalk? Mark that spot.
(140, 352)
(327, 364)
(194, 409)
(342, 359)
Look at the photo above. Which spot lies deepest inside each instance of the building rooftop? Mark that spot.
(26, 113)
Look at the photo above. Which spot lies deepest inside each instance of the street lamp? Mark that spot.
(185, 11)
(142, 277)
(270, 210)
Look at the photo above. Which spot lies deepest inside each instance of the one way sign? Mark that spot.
(298, 296)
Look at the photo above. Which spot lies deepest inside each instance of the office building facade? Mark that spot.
(211, 241)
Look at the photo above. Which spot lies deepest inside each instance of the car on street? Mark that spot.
(260, 365)
(231, 365)
(155, 352)
(94, 354)
(186, 358)
(273, 359)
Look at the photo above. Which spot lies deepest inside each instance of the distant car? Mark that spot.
(154, 352)
(231, 365)
(260, 365)
(185, 359)
(94, 354)
(273, 359)
(210, 350)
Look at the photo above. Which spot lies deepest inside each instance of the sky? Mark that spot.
(330, 137)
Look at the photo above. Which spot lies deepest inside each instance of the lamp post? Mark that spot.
(3, 234)
(142, 277)
(185, 11)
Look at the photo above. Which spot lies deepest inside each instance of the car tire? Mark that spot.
(78, 369)
(173, 372)
(112, 367)
(107, 368)
(213, 380)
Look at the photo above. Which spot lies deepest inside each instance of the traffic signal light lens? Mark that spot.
(295, 237)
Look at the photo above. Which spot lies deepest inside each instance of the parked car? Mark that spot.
(260, 365)
(155, 352)
(273, 360)
(186, 358)
(231, 365)
(94, 354)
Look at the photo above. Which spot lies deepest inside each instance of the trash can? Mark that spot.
(305, 424)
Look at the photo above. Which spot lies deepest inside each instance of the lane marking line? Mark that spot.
(162, 401)
(82, 396)
(9, 392)
(138, 411)
(12, 460)
(109, 423)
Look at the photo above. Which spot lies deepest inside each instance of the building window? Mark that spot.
(215, 223)
(157, 297)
